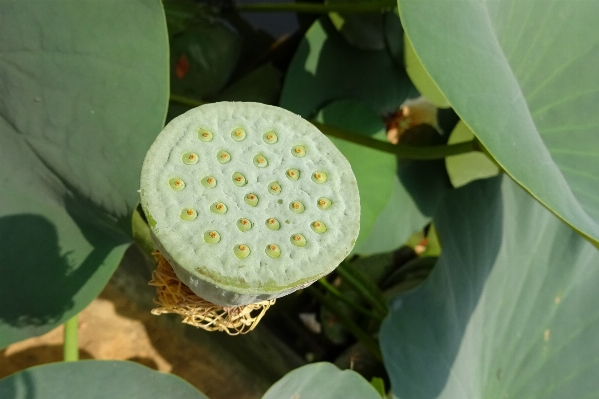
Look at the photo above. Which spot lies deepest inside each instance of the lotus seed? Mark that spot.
(212, 237)
(188, 214)
(251, 199)
(298, 151)
(298, 240)
(319, 177)
(292, 174)
(209, 182)
(238, 134)
(244, 225)
(273, 224)
(270, 137)
(260, 161)
(205, 135)
(176, 184)
(324, 203)
(239, 180)
(218, 207)
(274, 188)
(223, 157)
(241, 251)
(273, 251)
(318, 227)
(297, 207)
(189, 158)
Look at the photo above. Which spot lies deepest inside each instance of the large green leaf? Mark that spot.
(95, 379)
(321, 381)
(510, 311)
(325, 68)
(84, 91)
(523, 76)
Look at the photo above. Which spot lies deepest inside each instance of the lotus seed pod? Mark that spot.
(199, 229)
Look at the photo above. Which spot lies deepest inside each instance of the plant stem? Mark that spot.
(400, 150)
(337, 294)
(353, 328)
(365, 7)
(71, 345)
(362, 286)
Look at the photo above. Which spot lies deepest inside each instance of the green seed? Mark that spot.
(292, 174)
(190, 158)
(273, 224)
(176, 184)
(238, 134)
(211, 237)
(297, 207)
(223, 157)
(274, 188)
(319, 177)
(205, 135)
(324, 203)
(251, 199)
(270, 137)
(188, 214)
(318, 227)
(244, 225)
(298, 240)
(209, 182)
(239, 180)
(218, 207)
(273, 251)
(298, 151)
(260, 161)
(241, 251)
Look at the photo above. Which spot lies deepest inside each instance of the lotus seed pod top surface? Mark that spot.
(212, 218)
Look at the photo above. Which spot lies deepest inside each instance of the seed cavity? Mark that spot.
(324, 203)
(223, 157)
(205, 135)
(298, 240)
(273, 224)
(176, 184)
(239, 180)
(298, 151)
(212, 237)
(280, 201)
(260, 161)
(319, 177)
(238, 134)
(244, 224)
(318, 227)
(297, 207)
(188, 214)
(273, 251)
(251, 199)
(209, 182)
(270, 137)
(190, 158)
(274, 188)
(292, 174)
(219, 208)
(241, 251)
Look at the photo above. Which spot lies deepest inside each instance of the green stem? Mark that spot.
(352, 327)
(337, 294)
(400, 150)
(365, 7)
(363, 287)
(71, 345)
